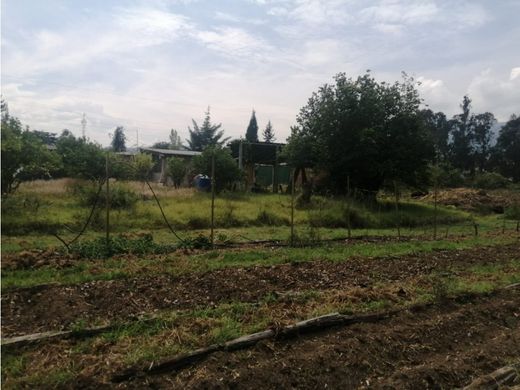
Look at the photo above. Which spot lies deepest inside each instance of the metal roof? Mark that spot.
(171, 152)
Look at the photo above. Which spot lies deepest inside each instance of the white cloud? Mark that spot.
(233, 42)
(400, 13)
(495, 93)
(323, 13)
(515, 72)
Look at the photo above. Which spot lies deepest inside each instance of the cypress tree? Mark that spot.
(252, 129)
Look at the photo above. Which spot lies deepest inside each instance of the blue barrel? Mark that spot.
(202, 182)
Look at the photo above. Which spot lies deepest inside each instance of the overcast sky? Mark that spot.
(153, 65)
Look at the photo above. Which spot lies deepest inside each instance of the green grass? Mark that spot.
(40, 207)
(178, 263)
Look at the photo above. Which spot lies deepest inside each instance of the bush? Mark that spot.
(121, 197)
(226, 169)
(98, 248)
(490, 181)
(177, 170)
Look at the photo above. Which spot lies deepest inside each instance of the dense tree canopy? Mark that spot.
(206, 135)
(119, 140)
(371, 132)
(507, 149)
(470, 146)
(80, 157)
(24, 155)
(226, 169)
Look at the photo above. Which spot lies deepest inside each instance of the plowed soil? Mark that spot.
(439, 347)
(54, 307)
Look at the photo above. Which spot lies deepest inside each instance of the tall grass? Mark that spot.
(46, 206)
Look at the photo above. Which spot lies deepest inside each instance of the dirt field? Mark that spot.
(50, 307)
(435, 348)
(440, 346)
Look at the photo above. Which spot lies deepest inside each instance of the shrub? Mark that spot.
(121, 197)
(490, 181)
(98, 248)
(226, 169)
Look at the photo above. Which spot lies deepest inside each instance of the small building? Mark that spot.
(160, 157)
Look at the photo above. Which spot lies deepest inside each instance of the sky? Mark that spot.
(153, 65)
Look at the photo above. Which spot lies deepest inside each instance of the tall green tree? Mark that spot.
(119, 140)
(80, 157)
(363, 130)
(206, 135)
(177, 169)
(268, 133)
(439, 128)
(462, 137)
(175, 140)
(507, 150)
(252, 129)
(226, 169)
(482, 125)
(24, 156)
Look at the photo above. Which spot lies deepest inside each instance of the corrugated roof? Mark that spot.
(171, 152)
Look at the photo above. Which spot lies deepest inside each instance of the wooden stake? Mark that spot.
(292, 206)
(212, 197)
(348, 207)
(397, 210)
(107, 202)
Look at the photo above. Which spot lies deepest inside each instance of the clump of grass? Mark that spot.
(269, 218)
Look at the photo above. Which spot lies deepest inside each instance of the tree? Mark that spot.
(482, 124)
(176, 170)
(119, 140)
(470, 148)
(252, 129)
(24, 156)
(175, 140)
(438, 126)
(462, 137)
(368, 132)
(161, 145)
(206, 135)
(226, 169)
(506, 153)
(142, 165)
(80, 157)
(268, 133)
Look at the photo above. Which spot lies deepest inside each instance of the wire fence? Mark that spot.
(360, 214)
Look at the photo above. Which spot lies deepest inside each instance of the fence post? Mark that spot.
(398, 215)
(107, 202)
(212, 235)
(292, 205)
(435, 192)
(348, 207)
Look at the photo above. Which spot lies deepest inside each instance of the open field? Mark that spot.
(456, 320)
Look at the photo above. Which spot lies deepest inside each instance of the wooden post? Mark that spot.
(212, 197)
(275, 178)
(292, 206)
(435, 208)
(348, 207)
(107, 202)
(397, 210)
(240, 161)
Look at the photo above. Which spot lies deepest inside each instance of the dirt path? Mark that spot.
(439, 347)
(51, 307)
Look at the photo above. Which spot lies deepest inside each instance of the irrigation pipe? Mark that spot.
(80, 233)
